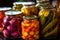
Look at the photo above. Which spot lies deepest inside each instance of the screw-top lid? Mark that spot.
(12, 12)
(29, 3)
(30, 17)
(17, 3)
(24, 3)
(46, 5)
(5, 8)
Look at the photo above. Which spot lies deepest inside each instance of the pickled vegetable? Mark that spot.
(51, 24)
(53, 32)
(30, 10)
(6, 33)
(12, 23)
(1, 20)
(43, 14)
(30, 28)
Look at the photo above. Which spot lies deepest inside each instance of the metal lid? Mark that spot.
(24, 3)
(12, 12)
(30, 17)
(45, 5)
(5, 8)
(29, 3)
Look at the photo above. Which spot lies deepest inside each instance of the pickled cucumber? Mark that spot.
(50, 25)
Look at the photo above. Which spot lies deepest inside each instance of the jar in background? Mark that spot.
(11, 24)
(29, 8)
(17, 6)
(2, 14)
(30, 28)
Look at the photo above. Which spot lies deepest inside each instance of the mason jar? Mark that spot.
(17, 6)
(29, 8)
(49, 22)
(2, 14)
(12, 24)
(30, 28)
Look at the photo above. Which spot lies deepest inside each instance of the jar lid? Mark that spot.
(17, 3)
(24, 3)
(5, 8)
(30, 17)
(29, 3)
(43, 0)
(44, 5)
(12, 12)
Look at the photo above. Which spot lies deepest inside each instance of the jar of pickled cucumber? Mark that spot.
(29, 8)
(11, 24)
(2, 14)
(49, 22)
(30, 28)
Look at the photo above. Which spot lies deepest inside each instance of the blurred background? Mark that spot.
(9, 3)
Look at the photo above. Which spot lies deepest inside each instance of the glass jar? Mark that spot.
(29, 8)
(2, 14)
(17, 6)
(30, 28)
(49, 22)
(12, 24)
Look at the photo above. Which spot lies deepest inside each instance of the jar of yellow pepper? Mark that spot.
(29, 8)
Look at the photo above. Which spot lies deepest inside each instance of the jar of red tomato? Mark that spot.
(30, 28)
(2, 10)
(11, 24)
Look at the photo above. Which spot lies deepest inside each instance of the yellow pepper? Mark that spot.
(25, 34)
(44, 12)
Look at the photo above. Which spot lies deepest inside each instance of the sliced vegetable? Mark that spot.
(11, 29)
(13, 21)
(25, 34)
(32, 33)
(15, 34)
(6, 33)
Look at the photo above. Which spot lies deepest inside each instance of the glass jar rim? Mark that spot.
(12, 12)
(5, 8)
(30, 17)
(24, 3)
